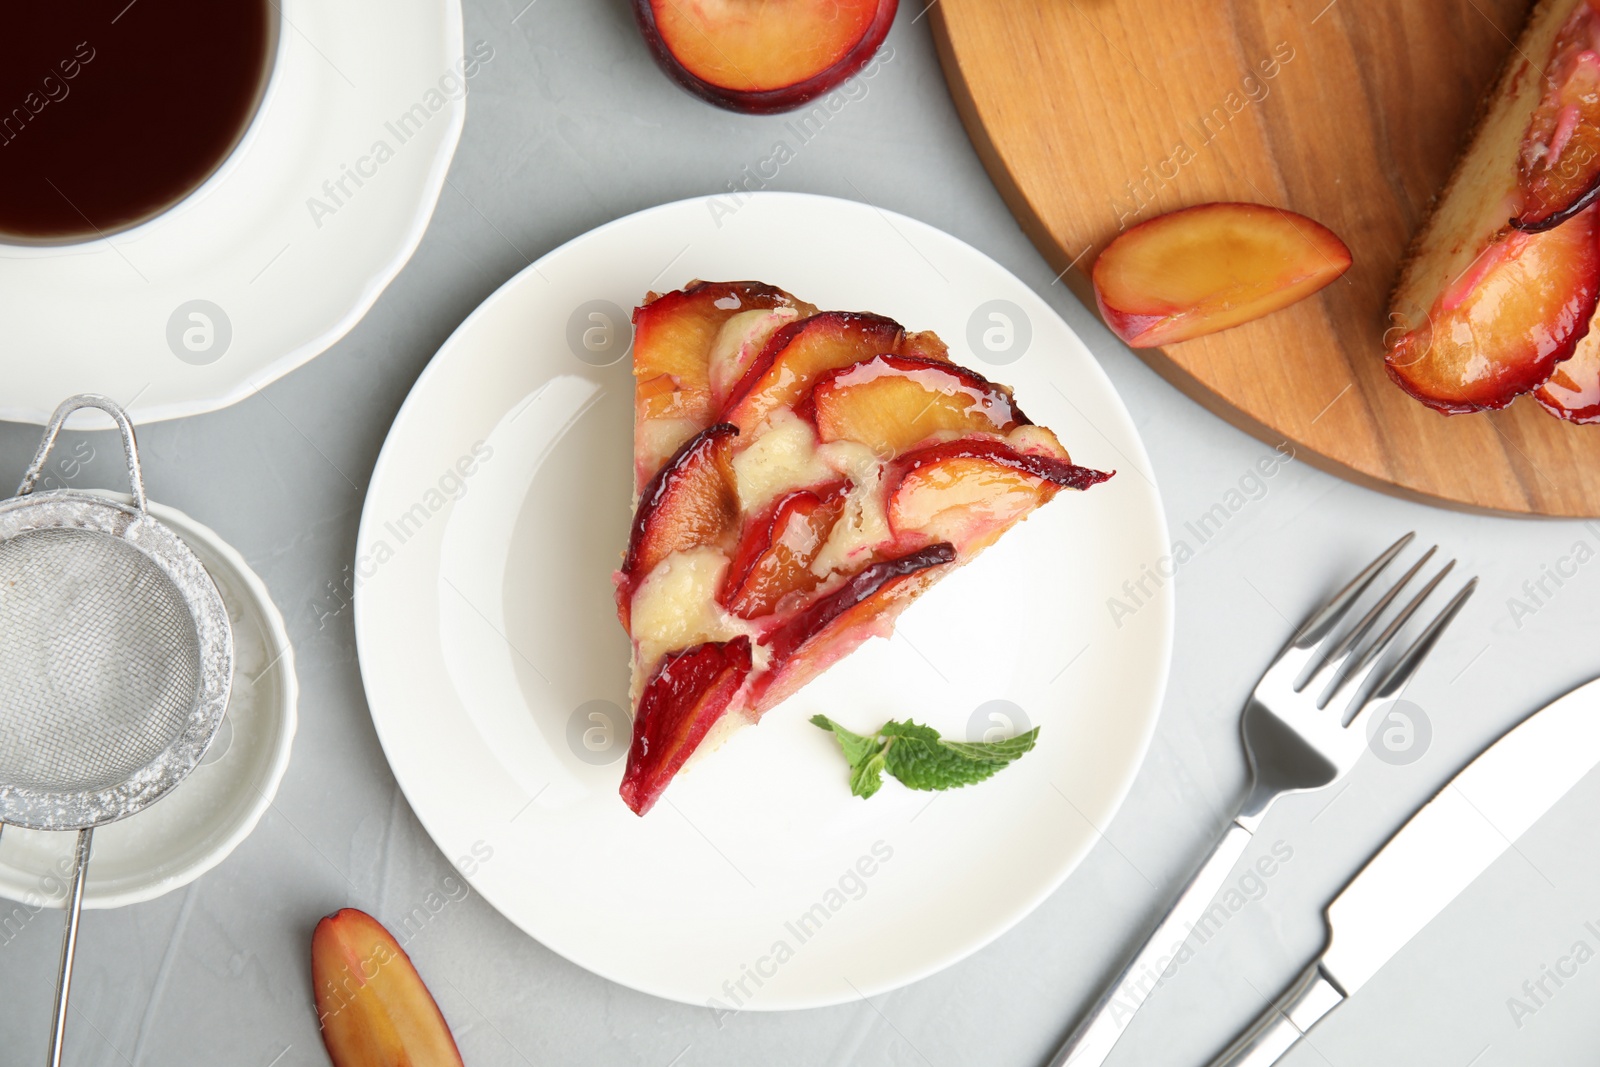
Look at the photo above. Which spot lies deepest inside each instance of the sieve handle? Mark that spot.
(69, 945)
(70, 405)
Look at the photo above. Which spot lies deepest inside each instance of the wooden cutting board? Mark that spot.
(1096, 114)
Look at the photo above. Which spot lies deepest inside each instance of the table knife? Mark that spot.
(1451, 840)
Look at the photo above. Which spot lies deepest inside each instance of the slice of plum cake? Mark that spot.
(801, 477)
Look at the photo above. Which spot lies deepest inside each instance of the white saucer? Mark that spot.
(497, 674)
(249, 277)
(196, 826)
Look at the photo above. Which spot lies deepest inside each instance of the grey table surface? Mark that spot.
(570, 127)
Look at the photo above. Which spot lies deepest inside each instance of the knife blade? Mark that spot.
(1437, 854)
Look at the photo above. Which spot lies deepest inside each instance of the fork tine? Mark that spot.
(1316, 628)
(1400, 674)
(1381, 642)
(1360, 671)
(1407, 665)
(1343, 653)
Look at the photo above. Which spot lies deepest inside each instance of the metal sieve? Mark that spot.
(115, 661)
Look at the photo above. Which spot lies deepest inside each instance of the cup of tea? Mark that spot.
(113, 113)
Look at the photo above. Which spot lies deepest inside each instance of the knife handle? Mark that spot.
(1095, 1036)
(1281, 1026)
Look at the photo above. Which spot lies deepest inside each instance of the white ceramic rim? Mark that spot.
(276, 633)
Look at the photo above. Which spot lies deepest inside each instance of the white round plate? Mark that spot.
(196, 826)
(493, 661)
(265, 265)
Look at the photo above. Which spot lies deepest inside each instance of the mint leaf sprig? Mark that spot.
(919, 758)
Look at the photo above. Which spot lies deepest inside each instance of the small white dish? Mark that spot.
(497, 674)
(280, 252)
(195, 827)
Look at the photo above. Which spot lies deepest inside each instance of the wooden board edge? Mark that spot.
(1078, 281)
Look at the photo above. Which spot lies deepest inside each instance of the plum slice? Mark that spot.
(833, 626)
(797, 354)
(1211, 267)
(689, 692)
(773, 560)
(1558, 167)
(692, 501)
(673, 333)
(374, 1009)
(1572, 392)
(969, 491)
(762, 56)
(890, 403)
(1499, 329)
(675, 338)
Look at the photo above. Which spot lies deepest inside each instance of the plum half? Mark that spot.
(762, 56)
(890, 403)
(832, 627)
(969, 491)
(681, 354)
(690, 502)
(1500, 329)
(1559, 166)
(689, 692)
(774, 557)
(783, 374)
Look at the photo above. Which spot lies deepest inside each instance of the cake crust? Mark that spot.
(1478, 199)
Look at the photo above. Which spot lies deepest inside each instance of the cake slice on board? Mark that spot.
(802, 476)
(1502, 281)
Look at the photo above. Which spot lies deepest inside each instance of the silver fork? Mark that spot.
(1295, 741)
